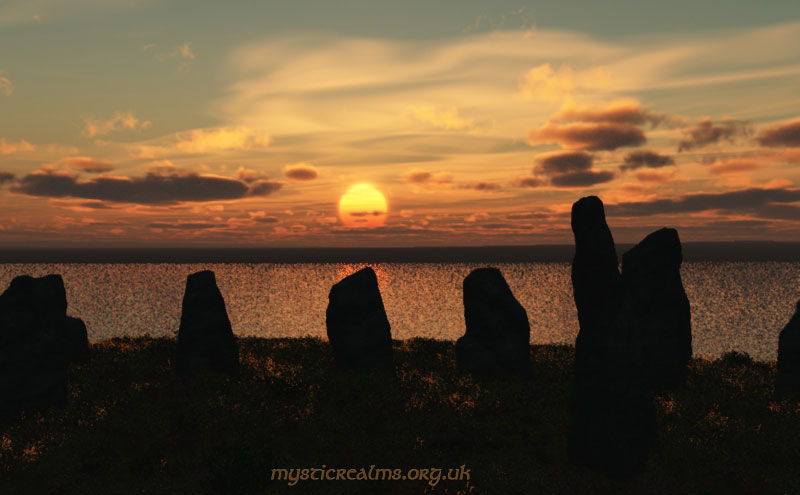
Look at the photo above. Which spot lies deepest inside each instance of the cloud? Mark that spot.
(476, 216)
(7, 148)
(528, 216)
(87, 164)
(249, 175)
(791, 156)
(588, 136)
(185, 51)
(95, 205)
(626, 111)
(6, 177)
(151, 189)
(264, 188)
(582, 179)
(186, 225)
(419, 176)
(734, 166)
(645, 158)
(220, 139)
(301, 172)
(6, 86)
(560, 162)
(787, 134)
(548, 84)
(266, 219)
(741, 200)
(119, 121)
(181, 53)
(570, 169)
(481, 186)
(653, 176)
(447, 119)
(528, 181)
(707, 132)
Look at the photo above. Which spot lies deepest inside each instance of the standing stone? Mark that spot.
(357, 326)
(651, 274)
(497, 339)
(787, 381)
(37, 343)
(613, 417)
(205, 339)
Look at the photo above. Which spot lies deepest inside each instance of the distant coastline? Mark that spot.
(692, 251)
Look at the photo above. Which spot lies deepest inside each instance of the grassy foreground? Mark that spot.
(132, 427)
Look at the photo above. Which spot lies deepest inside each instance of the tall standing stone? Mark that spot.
(497, 338)
(651, 275)
(613, 418)
(787, 381)
(357, 326)
(37, 343)
(205, 339)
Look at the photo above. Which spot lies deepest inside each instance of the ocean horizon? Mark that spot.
(738, 250)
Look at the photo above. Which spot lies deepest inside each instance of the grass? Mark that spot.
(130, 426)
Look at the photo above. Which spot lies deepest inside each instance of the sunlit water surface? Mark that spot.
(735, 306)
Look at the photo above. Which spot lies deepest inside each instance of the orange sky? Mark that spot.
(169, 134)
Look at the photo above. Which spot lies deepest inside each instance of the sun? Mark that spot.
(363, 206)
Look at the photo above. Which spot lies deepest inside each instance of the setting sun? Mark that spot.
(363, 206)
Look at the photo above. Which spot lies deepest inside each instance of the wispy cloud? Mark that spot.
(707, 132)
(6, 86)
(204, 140)
(9, 148)
(183, 53)
(558, 84)
(447, 119)
(118, 122)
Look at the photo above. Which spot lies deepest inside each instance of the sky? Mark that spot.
(207, 123)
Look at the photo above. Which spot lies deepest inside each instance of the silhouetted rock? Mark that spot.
(497, 338)
(613, 419)
(205, 339)
(77, 345)
(595, 268)
(37, 343)
(357, 326)
(787, 381)
(651, 277)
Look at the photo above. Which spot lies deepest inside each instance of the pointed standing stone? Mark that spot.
(497, 338)
(357, 326)
(205, 339)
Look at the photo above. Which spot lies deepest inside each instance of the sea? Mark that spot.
(735, 305)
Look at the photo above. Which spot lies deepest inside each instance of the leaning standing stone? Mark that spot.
(787, 381)
(205, 339)
(497, 339)
(357, 326)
